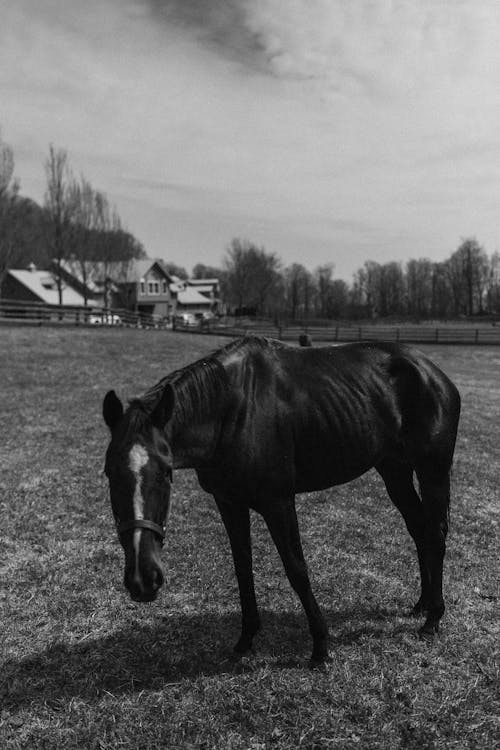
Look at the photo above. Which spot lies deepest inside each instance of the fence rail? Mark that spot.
(16, 311)
(32, 313)
(418, 333)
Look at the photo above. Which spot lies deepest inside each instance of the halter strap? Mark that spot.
(142, 523)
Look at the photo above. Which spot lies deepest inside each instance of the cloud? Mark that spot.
(370, 122)
(220, 24)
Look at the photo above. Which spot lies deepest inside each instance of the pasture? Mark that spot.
(84, 667)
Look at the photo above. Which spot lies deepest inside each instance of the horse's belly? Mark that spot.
(326, 465)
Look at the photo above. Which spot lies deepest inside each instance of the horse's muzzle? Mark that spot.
(143, 586)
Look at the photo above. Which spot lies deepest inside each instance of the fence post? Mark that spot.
(437, 334)
(476, 338)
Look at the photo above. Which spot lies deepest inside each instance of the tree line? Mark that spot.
(256, 281)
(77, 226)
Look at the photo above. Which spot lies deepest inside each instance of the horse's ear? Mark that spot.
(164, 408)
(112, 409)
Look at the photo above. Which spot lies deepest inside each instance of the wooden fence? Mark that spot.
(36, 314)
(33, 313)
(417, 333)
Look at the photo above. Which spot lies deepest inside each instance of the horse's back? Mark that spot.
(319, 417)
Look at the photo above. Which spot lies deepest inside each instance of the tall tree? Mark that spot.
(202, 271)
(419, 287)
(9, 216)
(467, 271)
(493, 285)
(174, 270)
(299, 291)
(323, 278)
(252, 277)
(82, 198)
(59, 209)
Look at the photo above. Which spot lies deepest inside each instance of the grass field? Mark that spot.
(84, 667)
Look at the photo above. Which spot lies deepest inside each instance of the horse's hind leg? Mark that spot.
(434, 481)
(398, 478)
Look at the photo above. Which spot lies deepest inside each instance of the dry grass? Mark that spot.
(83, 667)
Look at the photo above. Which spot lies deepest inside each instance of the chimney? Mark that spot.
(31, 267)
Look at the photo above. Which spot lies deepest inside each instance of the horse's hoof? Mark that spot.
(428, 633)
(419, 610)
(320, 664)
(243, 662)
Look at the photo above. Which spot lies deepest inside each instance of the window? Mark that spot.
(153, 287)
(143, 287)
(165, 286)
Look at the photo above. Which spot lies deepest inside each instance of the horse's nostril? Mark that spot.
(156, 579)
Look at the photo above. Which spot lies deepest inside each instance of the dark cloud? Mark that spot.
(220, 24)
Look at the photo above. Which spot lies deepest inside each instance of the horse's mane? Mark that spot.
(199, 388)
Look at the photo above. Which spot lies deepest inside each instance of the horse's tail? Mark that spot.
(429, 402)
(430, 408)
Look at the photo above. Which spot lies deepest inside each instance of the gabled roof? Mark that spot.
(139, 269)
(44, 286)
(118, 272)
(191, 296)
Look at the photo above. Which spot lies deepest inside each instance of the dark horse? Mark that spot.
(261, 421)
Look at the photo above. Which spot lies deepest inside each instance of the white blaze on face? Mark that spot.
(138, 458)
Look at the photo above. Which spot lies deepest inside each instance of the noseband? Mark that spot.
(142, 523)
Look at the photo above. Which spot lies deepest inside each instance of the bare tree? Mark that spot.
(252, 277)
(60, 209)
(419, 287)
(9, 189)
(493, 285)
(323, 278)
(200, 271)
(80, 256)
(468, 269)
(299, 291)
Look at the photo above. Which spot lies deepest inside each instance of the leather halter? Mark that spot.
(142, 523)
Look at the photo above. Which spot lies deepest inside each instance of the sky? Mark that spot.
(325, 130)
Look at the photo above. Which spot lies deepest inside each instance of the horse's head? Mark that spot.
(139, 469)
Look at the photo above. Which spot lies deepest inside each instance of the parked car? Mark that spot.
(186, 319)
(105, 319)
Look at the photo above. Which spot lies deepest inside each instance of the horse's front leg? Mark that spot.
(236, 520)
(281, 519)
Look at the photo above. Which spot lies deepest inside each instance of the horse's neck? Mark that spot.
(193, 437)
(200, 392)
(193, 445)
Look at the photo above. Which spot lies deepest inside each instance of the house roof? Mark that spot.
(139, 268)
(43, 285)
(118, 272)
(202, 282)
(191, 296)
(177, 286)
(203, 288)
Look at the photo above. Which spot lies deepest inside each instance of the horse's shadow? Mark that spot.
(173, 649)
